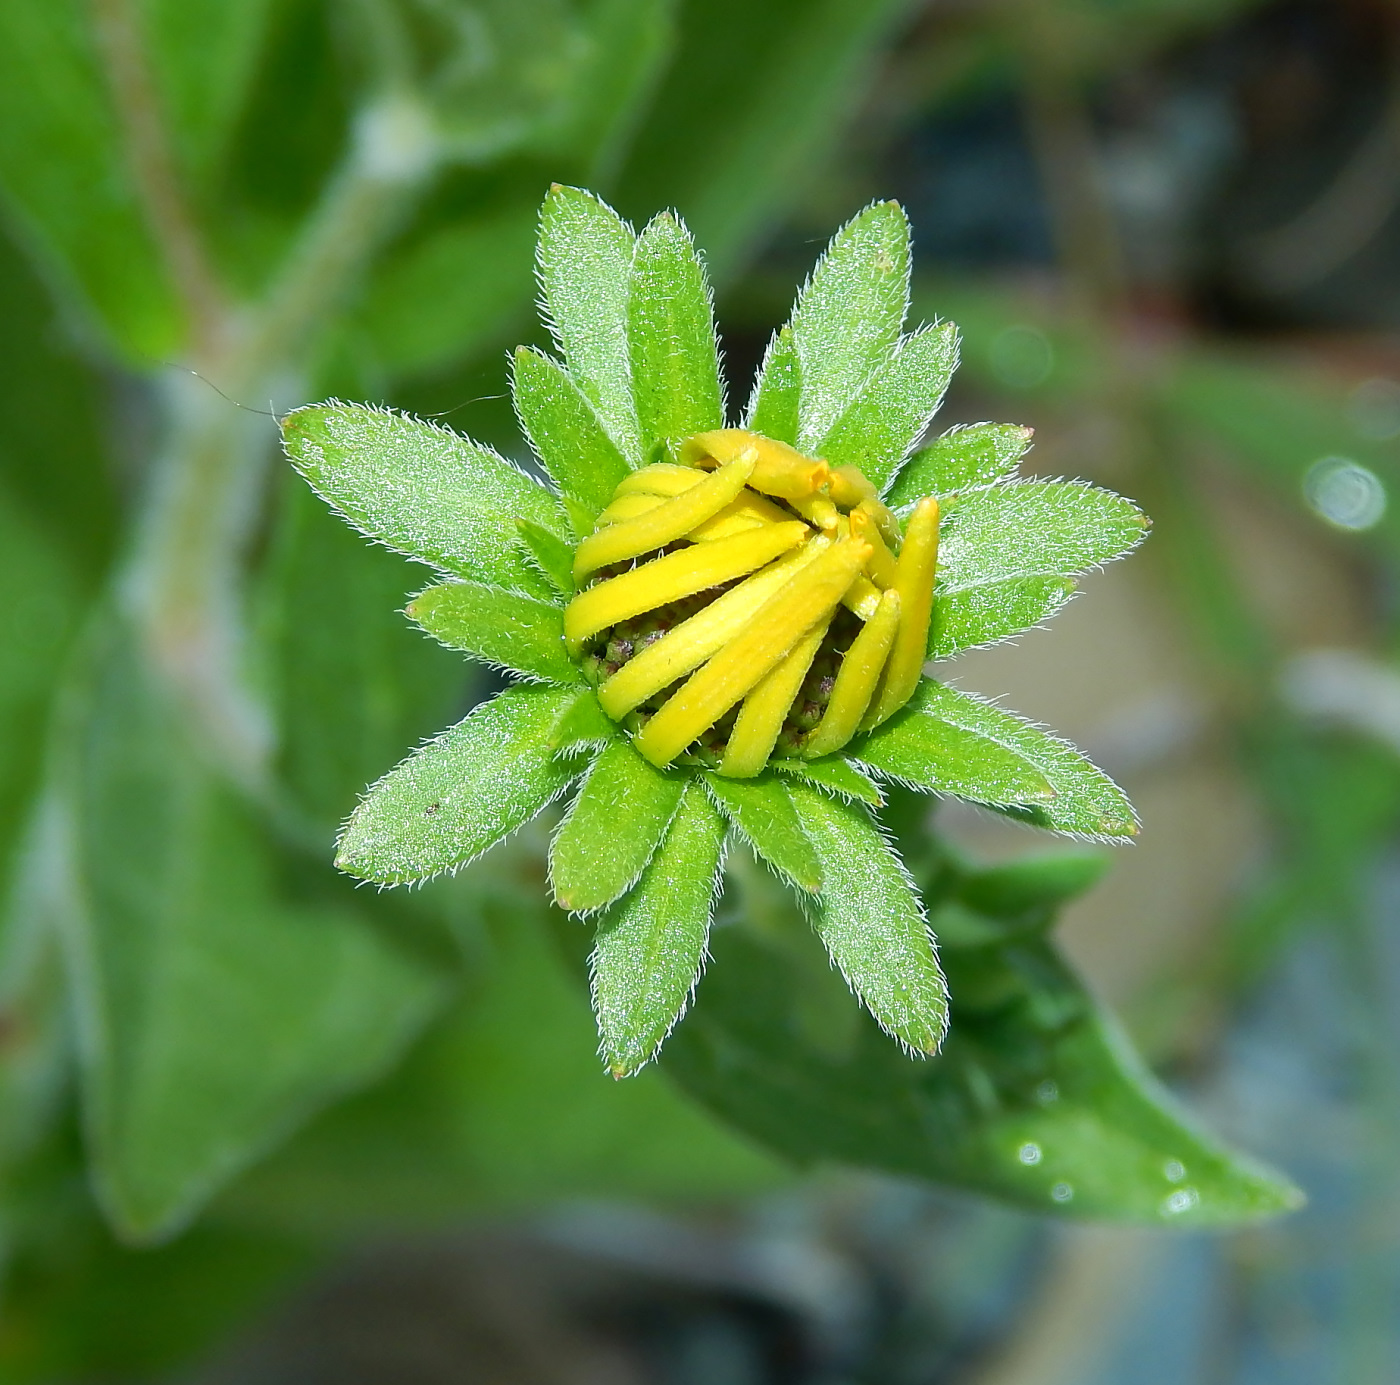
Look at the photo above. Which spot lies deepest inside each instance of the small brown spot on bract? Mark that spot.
(432, 808)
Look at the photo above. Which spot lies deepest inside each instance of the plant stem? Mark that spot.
(183, 582)
(155, 174)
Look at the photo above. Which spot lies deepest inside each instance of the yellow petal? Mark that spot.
(862, 597)
(629, 507)
(818, 509)
(778, 469)
(882, 563)
(662, 478)
(745, 511)
(851, 489)
(665, 524)
(673, 576)
(784, 618)
(918, 560)
(686, 647)
(766, 707)
(855, 682)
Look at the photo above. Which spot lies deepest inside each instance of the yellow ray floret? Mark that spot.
(671, 577)
(789, 614)
(778, 469)
(850, 488)
(766, 707)
(630, 538)
(629, 507)
(685, 648)
(746, 511)
(662, 478)
(918, 561)
(882, 565)
(862, 597)
(856, 681)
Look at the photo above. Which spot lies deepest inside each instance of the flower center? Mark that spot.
(751, 602)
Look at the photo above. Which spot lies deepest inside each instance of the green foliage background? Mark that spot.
(212, 1042)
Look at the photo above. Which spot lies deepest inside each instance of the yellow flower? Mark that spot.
(750, 601)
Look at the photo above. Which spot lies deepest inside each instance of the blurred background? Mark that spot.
(1170, 233)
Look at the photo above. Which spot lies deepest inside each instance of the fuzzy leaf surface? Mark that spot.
(500, 627)
(565, 430)
(422, 490)
(871, 921)
(777, 392)
(1086, 803)
(581, 725)
(878, 430)
(937, 757)
(1036, 1099)
(848, 317)
(976, 454)
(1033, 529)
(671, 337)
(836, 775)
(762, 810)
(585, 264)
(612, 830)
(993, 611)
(651, 944)
(553, 556)
(461, 793)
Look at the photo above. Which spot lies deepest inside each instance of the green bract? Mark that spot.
(641, 841)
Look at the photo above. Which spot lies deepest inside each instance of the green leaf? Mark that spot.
(350, 683)
(66, 179)
(565, 431)
(552, 555)
(651, 944)
(219, 999)
(935, 756)
(777, 392)
(994, 611)
(422, 490)
(204, 56)
(1033, 884)
(836, 775)
(848, 317)
(471, 1124)
(671, 337)
(1035, 1100)
(975, 454)
(460, 794)
(898, 402)
(612, 829)
(1033, 529)
(762, 810)
(585, 264)
(581, 725)
(872, 922)
(442, 292)
(500, 627)
(1087, 802)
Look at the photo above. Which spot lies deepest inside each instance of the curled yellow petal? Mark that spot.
(767, 705)
(778, 469)
(661, 478)
(819, 510)
(862, 597)
(851, 489)
(686, 647)
(745, 511)
(856, 680)
(918, 561)
(673, 576)
(783, 619)
(882, 562)
(629, 507)
(665, 524)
